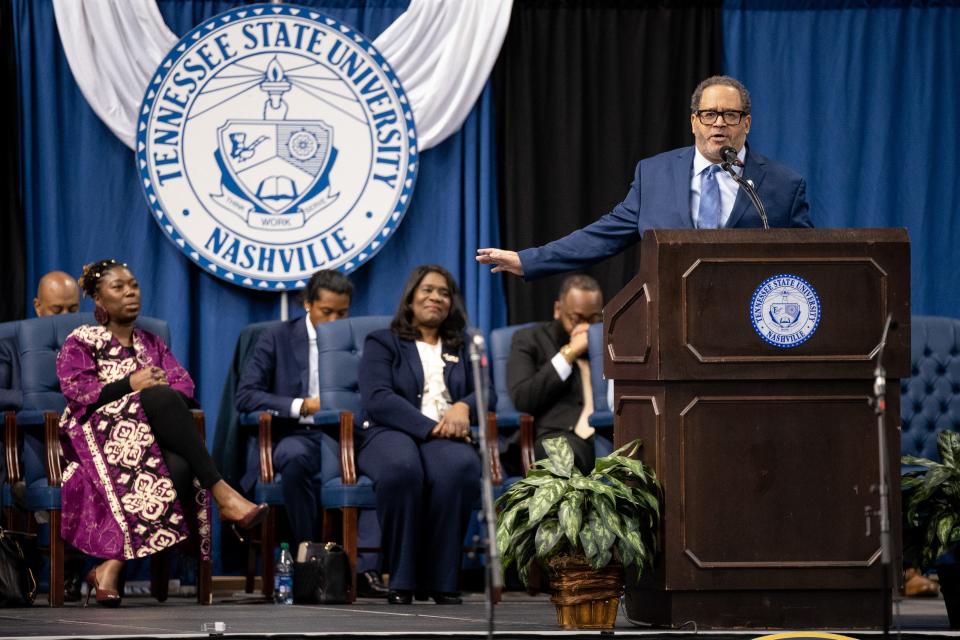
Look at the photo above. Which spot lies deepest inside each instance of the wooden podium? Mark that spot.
(767, 454)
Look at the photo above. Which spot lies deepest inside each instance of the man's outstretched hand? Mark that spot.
(501, 260)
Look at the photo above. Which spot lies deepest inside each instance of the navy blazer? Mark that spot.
(659, 198)
(277, 371)
(391, 386)
(11, 398)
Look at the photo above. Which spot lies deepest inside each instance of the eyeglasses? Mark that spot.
(729, 117)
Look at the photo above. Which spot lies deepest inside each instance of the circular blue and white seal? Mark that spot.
(274, 141)
(785, 310)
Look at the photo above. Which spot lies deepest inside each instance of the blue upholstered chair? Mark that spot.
(602, 417)
(339, 348)
(39, 341)
(930, 397)
(8, 452)
(507, 415)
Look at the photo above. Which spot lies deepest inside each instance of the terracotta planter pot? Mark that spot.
(585, 598)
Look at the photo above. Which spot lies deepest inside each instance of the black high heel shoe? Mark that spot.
(250, 519)
(400, 596)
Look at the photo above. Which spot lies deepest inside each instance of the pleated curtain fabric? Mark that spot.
(584, 90)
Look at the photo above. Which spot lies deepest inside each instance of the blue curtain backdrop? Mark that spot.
(83, 201)
(863, 99)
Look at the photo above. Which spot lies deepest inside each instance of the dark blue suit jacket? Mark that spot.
(391, 386)
(659, 198)
(11, 398)
(277, 371)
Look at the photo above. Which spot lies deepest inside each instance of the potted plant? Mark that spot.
(585, 529)
(931, 517)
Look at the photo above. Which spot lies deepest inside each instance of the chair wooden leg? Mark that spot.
(350, 545)
(266, 551)
(204, 582)
(251, 565)
(56, 560)
(327, 525)
(160, 575)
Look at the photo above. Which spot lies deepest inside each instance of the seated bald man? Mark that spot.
(57, 292)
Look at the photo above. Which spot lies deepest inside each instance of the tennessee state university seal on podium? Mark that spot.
(785, 310)
(274, 141)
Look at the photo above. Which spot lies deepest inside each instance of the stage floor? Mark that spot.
(519, 615)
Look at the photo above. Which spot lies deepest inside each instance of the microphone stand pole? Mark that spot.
(751, 192)
(488, 516)
(880, 409)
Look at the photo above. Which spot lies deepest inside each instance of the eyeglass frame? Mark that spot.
(720, 115)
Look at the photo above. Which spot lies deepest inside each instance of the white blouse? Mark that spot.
(436, 398)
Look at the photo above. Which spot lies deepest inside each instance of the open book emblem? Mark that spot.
(278, 172)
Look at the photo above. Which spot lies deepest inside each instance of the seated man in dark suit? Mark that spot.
(281, 377)
(548, 374)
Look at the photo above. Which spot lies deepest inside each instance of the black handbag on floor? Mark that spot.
(19, 562)
(321, 574)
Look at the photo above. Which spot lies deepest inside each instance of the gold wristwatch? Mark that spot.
(567, 352)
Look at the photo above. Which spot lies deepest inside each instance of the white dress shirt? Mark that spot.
(728, 187)
(313, 390)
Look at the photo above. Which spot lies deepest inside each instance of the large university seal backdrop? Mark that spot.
(274, 141)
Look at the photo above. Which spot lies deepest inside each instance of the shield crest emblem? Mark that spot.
(277, 165)
(784, 314)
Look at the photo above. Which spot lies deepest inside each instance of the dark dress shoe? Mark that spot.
(400, 597)
(369, 585)
(446, 598)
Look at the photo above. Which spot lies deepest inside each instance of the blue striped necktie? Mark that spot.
(709, 213)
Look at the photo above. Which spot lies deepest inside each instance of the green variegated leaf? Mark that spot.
(544, 498)
(570, 515)
(537, 480)
(507, 518)
(588, 541)
(608, 514)
(945, 527)
(628, 450)
(947, 444)
(589, 484)
(626, 552)
(601, 532)
(914, 461)
(548, 535)
(561, 455)
(602, 558)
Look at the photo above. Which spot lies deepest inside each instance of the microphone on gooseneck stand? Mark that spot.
(730, 160)
(494, 571)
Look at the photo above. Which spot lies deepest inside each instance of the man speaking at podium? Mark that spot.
(683, 188)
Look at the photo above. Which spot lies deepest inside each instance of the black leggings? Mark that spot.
(176, 434)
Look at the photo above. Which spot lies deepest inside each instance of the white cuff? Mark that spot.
(564, 369)
(295, 407)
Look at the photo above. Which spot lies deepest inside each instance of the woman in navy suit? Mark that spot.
(416, 386)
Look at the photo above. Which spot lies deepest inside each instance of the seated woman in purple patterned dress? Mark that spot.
(129, 440)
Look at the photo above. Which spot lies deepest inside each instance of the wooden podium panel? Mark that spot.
(768, 456)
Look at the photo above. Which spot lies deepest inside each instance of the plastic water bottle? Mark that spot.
(283, 577)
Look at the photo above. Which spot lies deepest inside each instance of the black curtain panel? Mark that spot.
(584, 90)
(12, 257)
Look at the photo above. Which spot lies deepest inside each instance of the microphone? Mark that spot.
(729, 155)
(730, 160)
